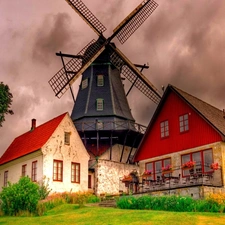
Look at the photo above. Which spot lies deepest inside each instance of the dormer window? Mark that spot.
(184, 123)
(100, 80)
(99, 104)
(164, 129)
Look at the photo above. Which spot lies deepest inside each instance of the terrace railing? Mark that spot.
(173, 179)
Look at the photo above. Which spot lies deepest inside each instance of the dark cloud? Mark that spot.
(56, 33)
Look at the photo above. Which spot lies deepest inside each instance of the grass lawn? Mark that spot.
(91, 215)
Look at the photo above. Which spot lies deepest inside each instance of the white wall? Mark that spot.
(75, 152)
(14, 167)
(54, 149)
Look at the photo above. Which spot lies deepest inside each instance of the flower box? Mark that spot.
(167, 171)
(147, 173)
(127, 178)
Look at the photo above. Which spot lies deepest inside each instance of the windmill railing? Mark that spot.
(109, 125)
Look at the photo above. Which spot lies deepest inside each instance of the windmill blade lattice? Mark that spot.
(62, 79)
(76, 66)
(87, 16)
(133, 21)
(134, 75)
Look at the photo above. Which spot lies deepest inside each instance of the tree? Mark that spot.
(5, 102)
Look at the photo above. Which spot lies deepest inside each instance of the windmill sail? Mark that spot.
(87, 16)
(62, 79)
(134, 20)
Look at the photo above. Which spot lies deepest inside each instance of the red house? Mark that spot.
(183, 145)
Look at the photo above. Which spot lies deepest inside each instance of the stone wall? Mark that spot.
(108, 174)
(197, 192)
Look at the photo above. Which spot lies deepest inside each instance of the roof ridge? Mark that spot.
(49, 121)
(195, 97)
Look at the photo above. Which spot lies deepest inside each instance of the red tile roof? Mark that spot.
(31, 141)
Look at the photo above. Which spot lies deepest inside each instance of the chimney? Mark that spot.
(33, 124)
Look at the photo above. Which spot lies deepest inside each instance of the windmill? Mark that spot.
(101, 112)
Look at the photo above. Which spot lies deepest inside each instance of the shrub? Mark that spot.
(44, 189)
(127, 202)
(19, 197)
(212, 203)
(53, 200)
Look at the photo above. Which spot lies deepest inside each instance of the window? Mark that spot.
(156, 166)
(99, 104)
(75, 172)
(203, 160)
(6, 173)
(184, 124)
(84, 83)
(164, 129)
(100, 80)
(67, 138)
(24, 170)
(34, 171)
(89, 181)
(57, 170)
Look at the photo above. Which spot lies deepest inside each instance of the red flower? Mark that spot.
(189, 164)
(214, 166)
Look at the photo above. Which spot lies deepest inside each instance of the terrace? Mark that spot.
(173, 178)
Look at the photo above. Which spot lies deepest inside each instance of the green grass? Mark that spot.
(91, 215)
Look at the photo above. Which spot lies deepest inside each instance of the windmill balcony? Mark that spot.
(175, 178)
(110, 125)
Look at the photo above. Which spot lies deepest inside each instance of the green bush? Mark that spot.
(20, 197)
(170, 203)
(93, 199)
(44, 188)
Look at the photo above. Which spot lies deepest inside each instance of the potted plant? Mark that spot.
(147, 173)
(167, 169)
(214, 166)
(188, 165)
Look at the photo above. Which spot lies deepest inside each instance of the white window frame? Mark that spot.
(84, 83)
(184, 123)
(99, 104)
(100, 80)
(164, 129)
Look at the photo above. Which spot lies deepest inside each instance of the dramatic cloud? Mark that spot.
(182, 41)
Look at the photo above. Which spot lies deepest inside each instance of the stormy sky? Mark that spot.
(183, 43)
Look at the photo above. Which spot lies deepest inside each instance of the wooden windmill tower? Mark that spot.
(101, 112)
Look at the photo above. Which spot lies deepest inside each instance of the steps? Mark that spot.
(108, 203)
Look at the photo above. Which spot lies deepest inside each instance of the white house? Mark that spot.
(52, 152)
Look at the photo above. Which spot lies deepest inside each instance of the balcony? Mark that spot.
(176, 178)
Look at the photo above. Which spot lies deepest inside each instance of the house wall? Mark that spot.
(218, 156)
(55, 149)
(14, 167)
(200, 132)
(109, 174)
